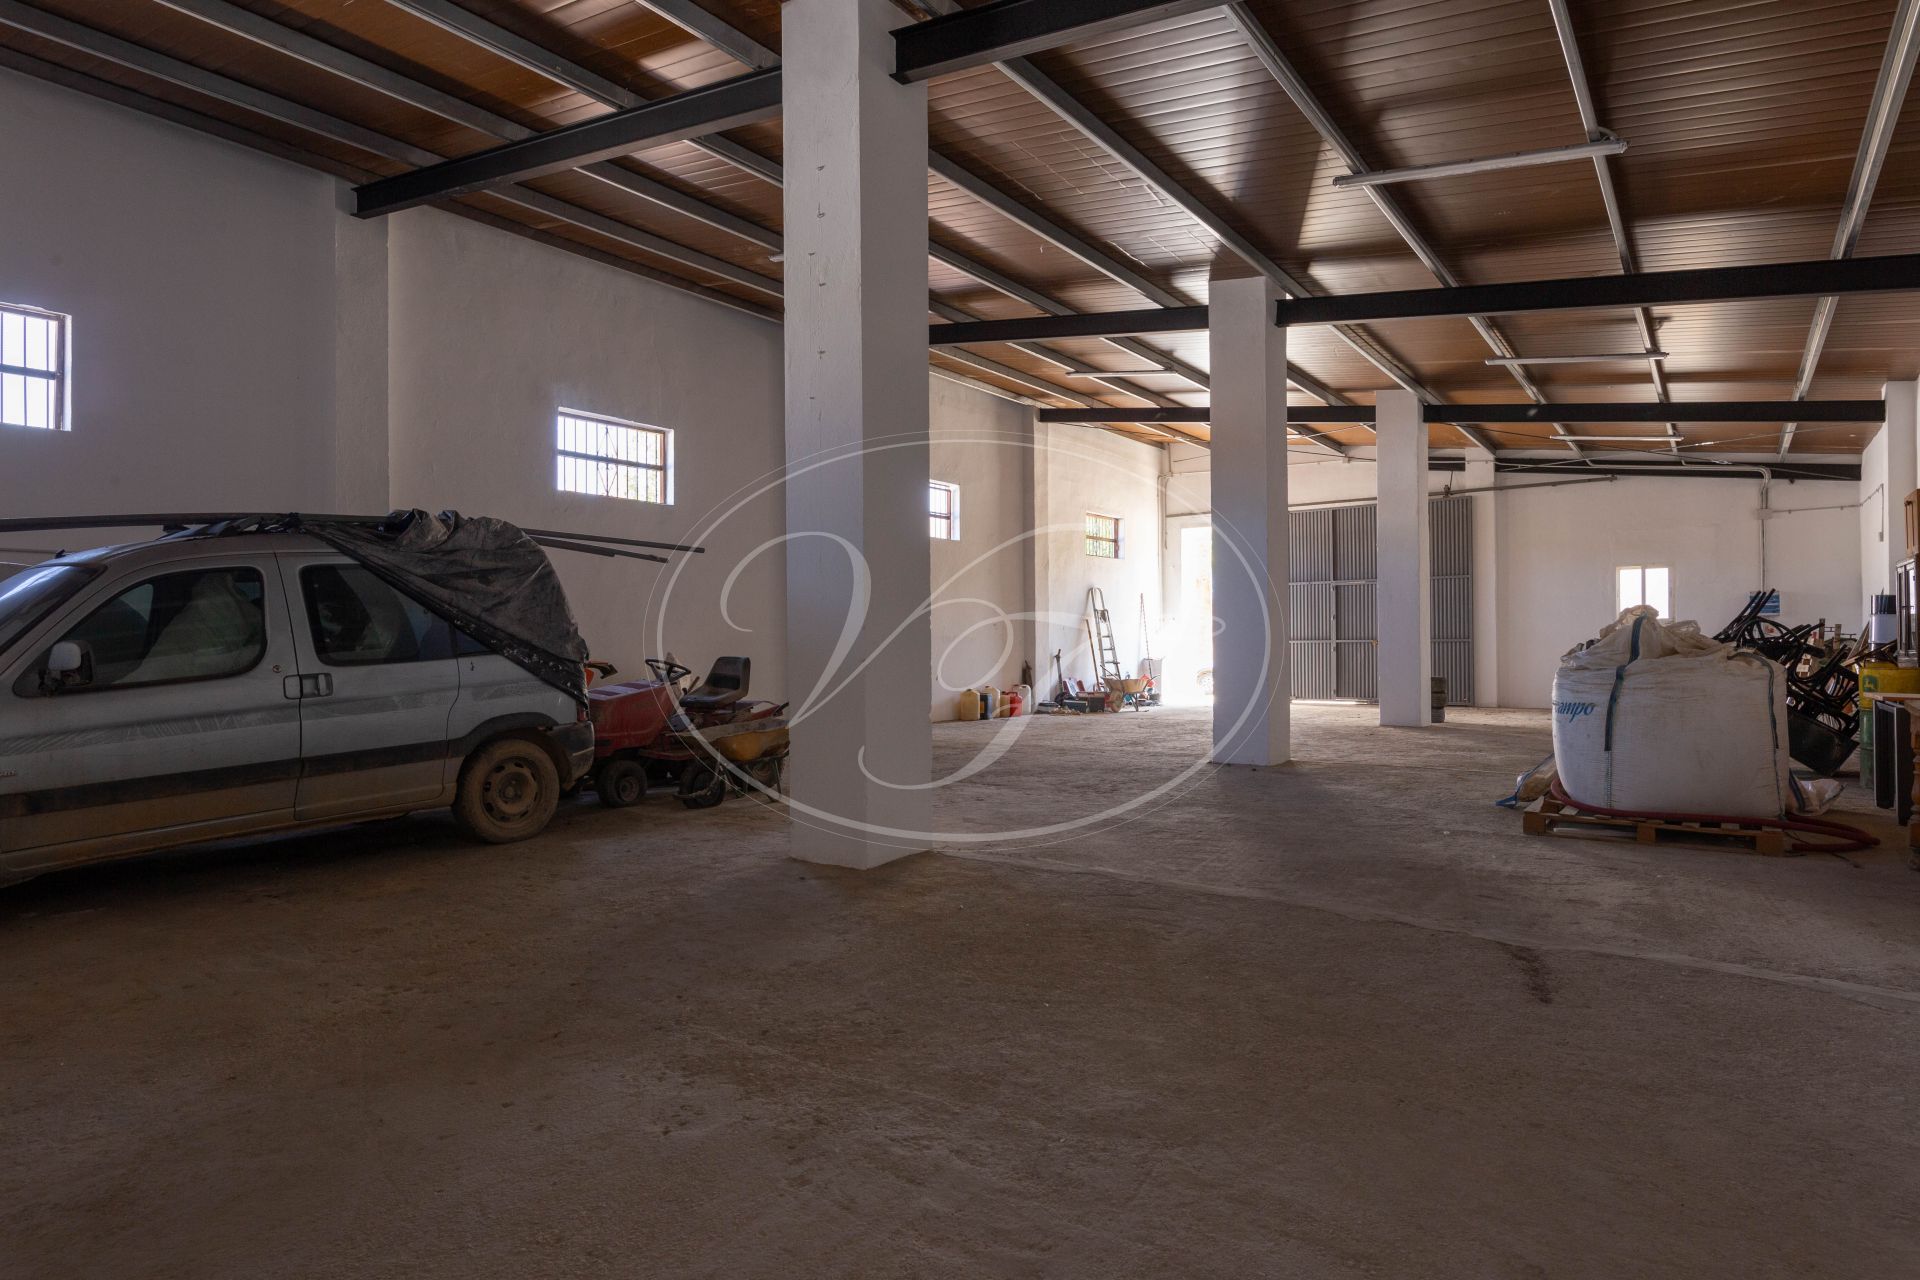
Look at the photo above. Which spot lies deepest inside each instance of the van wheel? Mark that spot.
(620, 783)
(508, 791)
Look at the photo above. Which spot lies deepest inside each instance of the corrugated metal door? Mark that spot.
(1450, 523)
(1332, 573)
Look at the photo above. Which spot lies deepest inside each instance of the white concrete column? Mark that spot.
(856, 400)
(1402, 599)
(1903, 466)
(1251, 672)
(1040, 560)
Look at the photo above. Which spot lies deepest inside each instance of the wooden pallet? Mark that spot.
(1548, 817)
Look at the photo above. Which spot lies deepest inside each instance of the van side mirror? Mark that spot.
(69, 666)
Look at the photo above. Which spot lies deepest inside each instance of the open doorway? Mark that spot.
(1189, 660)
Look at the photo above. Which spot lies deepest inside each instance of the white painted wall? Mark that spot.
(241, 342)
(1081, 470)
(492, 333)
(981, 584)
(1316, 478)
(1560, 547)
(1881, 530)
(201, 278)
(1545, 581)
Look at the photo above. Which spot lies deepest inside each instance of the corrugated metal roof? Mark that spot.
(1743, 119)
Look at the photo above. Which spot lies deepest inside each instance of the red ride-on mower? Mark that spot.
(643, 733)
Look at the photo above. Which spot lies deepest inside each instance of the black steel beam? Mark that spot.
(741, 100)
(1821, 278)
(1663, 411)
(1660, 411)
(1680, 468)
(1014, 28)
(1318, 415)
(1126, 415)
(1105, 324)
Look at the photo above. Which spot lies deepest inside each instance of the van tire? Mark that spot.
(508, 791)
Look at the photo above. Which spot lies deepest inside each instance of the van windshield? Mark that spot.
(31, 594)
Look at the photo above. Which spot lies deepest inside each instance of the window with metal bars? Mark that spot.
(1103, 536)
(943, 511)
(610, 458)
(33, 368)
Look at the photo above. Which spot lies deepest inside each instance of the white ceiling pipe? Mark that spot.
(1610, 145)
(1615, 357)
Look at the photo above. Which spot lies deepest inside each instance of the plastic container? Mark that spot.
(1025, 693)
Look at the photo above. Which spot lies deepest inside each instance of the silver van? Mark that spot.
(194, 688)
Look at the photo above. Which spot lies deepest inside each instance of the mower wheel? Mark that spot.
(620, 783)
(702, 786)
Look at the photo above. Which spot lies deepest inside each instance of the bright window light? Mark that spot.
(943, 511)
(1103, 536)
(1649, 584)
(610, 458)
(33, 368)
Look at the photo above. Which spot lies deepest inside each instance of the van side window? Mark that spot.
(203, 625)
(357, 620)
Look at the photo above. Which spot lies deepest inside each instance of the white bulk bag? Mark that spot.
(1656, 717)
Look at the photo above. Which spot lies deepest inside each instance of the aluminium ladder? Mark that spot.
(1106, 658)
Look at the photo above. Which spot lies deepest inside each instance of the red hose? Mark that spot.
(1850, 838)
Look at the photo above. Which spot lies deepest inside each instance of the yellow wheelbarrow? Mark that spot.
(751, 755)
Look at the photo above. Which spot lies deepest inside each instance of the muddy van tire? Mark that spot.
(508, 791)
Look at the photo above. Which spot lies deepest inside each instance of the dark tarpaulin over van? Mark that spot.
(485, 576)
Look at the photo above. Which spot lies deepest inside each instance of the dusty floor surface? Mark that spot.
(1334, 1019)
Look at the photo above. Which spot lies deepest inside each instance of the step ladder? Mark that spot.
(1106, 658)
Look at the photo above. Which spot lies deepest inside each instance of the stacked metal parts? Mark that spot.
(1823, 687)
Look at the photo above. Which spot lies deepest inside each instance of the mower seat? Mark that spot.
(726, 683)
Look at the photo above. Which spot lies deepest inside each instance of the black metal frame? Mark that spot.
(1660, 411)
(1013, 28)
(1176, 414)
(1897, 273)
(1820, 278)
(1104, 324)
(1701, 469)
(742, 100)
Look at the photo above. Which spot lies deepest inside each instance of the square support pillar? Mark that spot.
(1403, 581)
(856, 416)
(1252, 681)
(1903, 474)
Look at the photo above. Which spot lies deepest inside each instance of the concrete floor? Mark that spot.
(1336, 1019)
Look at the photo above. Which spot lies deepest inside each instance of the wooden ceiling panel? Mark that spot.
(502, 211)
(337, 158)
(1194, 99)
(404, 42)
(1743, 118)
(590, 193)
(210, 48)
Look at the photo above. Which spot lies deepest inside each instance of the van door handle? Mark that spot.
(314, 686)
